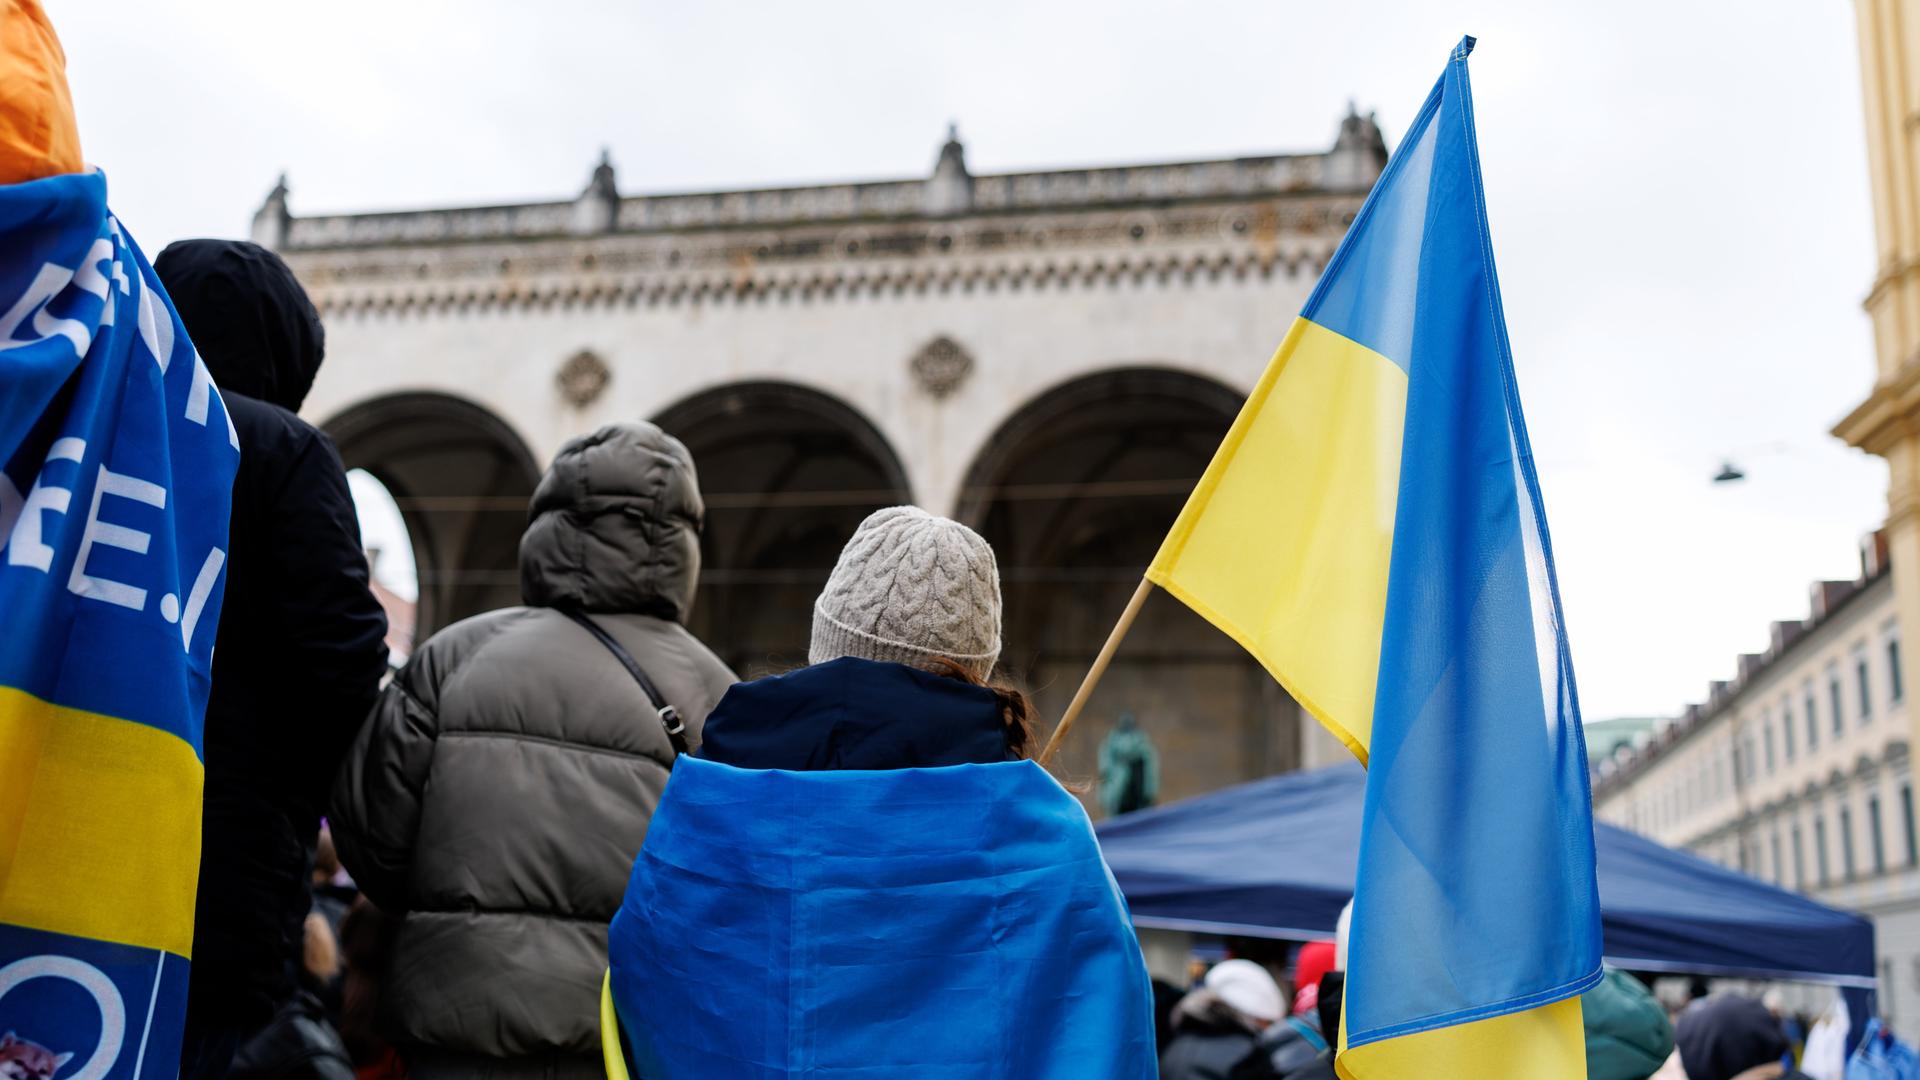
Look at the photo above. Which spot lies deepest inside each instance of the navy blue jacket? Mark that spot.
(854, 714)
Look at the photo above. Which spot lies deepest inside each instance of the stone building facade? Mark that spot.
(1798, 770)
(1049, 356)
(1887, 422)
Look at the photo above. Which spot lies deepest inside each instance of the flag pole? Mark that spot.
(1099, 668)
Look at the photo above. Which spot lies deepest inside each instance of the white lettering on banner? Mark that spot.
(156, 326)
(200, 395)
(24, 546)
(46, 285)
(196, 599)
(80, 583)
(89, 278)
(107, 1004)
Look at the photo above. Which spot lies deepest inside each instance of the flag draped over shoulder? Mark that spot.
(1372, 531)
(943, 923)
(116, 468)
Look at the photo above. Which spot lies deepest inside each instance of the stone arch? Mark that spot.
(462, 478)
(1075, 491)
(788, 472)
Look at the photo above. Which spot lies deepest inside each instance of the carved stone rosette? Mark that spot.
(941, 366)
(583, 378)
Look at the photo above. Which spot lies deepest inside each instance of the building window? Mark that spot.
(1848, 869)
(1779, 868)
(1813, 720)
(1799, 861)
(1876, 835)
(1839, 708)
(1866, 687)
(1820, 849)
(1786, 730)
(1769, 742)
(1893, 669)
(1906, 819)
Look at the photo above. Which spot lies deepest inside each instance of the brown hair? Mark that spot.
(1016, 709)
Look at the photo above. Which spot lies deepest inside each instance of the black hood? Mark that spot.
(1724, 1035)
(855, 714)
(248, 317)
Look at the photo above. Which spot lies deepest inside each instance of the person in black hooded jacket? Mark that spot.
(301, 646)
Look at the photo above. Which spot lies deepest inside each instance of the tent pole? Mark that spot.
(1099, 668)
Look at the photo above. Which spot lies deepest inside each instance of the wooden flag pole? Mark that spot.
(1099, 668)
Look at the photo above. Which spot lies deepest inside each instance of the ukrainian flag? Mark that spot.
(1372, 531)
(116, 470)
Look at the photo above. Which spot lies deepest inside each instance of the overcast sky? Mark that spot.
(1677, 191)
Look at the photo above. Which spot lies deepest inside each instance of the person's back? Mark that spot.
(1628, 1034)
(507, 776)
(858, 875)
(1217, 1027)
(1729, 1037)
(301, 646)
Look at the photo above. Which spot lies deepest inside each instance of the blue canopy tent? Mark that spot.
(1276, 858)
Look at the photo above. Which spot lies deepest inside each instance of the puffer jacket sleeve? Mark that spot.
(375, 810)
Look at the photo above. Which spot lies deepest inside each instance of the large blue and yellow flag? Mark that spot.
(938, 923)
(116, 467)
(1372, 531)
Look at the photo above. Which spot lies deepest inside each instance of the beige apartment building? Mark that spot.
(1798, 770)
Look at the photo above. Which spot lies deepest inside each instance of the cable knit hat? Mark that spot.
(910, 587)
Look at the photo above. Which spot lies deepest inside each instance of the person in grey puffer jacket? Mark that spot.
(501, 787)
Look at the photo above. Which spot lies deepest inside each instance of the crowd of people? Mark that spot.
(487, 801)
(476, 866)
(1238, 1023)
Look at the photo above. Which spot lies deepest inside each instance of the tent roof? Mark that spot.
(1276, 858)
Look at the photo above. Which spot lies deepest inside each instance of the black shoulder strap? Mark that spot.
(669, 716)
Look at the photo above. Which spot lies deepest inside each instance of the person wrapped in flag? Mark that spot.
(1372, 531)
(116, 461)
(859, 874)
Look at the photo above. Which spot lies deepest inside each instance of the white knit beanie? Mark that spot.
(910, 587)
(1247, 988)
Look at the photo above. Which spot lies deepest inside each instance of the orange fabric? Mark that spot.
(37, 133)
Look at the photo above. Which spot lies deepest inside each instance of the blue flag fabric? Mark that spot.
(933, 923)
(1372, 531)
(116, 469)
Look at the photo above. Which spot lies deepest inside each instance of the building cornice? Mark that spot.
(880, 202)
(1889, 416)
(1086, 249)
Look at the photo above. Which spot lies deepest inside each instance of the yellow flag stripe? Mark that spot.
(1547, 1043)
(1285, 545)
(99, 826)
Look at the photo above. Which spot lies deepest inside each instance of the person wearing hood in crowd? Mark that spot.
(301, 646)
(1216, 1027)
(1314, 960)
(499, 790)
(877, 880)
(1628, 1034)
(1728, 1037)
(1298, 1048)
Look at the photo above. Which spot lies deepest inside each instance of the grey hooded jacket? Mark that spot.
(503, 783)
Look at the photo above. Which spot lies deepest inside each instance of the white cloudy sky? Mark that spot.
(1678, 196)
